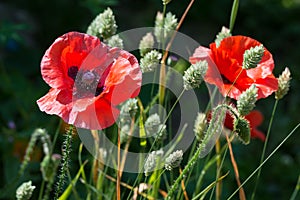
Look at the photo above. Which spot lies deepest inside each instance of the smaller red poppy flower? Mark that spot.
(88, 80)
(225, 64)
(255, 119)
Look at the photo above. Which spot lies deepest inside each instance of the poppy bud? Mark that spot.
(246, 101)
(193, 76)
(283, 84)
(241, 127)
(150, 61)
(104, 25)
(225, 32)
(253, 56)
(146, 44)
(200, 126)
(173, 160)
(24, 191)
(124, 133)
(115, 41)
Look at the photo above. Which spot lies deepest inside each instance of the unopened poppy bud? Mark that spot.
(115, 41)
(200, 126)
(146, 44)
(152, 161)
(104, 25)
(164, 26)
(150, 61)
(173, 160)
(241, 127)
(283, 84)
(225, 32)
(24, 191)
(247, 100)
(193, 76)
(49, 166)
(253, 56)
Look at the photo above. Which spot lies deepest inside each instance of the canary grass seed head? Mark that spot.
(146, 44)
(173, 160)
(200, 126)
(193, 76)
(115, 41)
(247, 100)
(253, 56)
(283, 84)
(152, 161)
(24, 191)
(150, 61)
(104, 25)
(225, 32)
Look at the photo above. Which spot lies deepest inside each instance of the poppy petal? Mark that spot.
(53, 103)
(225, 65)
(123, 80)
(68, 50)
(96, 116)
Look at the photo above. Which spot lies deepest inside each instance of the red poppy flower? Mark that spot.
(255, 119)
(88, 80)
(225, 63)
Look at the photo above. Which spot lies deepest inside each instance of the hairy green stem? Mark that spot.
(65, 161)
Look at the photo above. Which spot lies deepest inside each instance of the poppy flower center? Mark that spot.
(86, 83)
(88, 78)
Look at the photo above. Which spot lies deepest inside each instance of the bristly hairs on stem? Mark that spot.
(66, 150)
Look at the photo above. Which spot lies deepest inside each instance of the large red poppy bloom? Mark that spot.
(88, 80)
(225, 63)
(255, 119)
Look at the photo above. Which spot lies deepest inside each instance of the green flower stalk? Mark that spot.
(150, 61)
(215, 127)
(173, 160)
(283, 84)
(24, 191)
(64, 161)
(152, 161)
(104, 25)
(247, 100)
(200, 126)
(225, 32)
(165, 2)
(146, 44)
(115, 41)
(241, 127)
(164, 26)
(253, 56)
(193, 76)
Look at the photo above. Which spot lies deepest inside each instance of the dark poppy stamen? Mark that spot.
(225, 80)
(72, 72)
(99, 90)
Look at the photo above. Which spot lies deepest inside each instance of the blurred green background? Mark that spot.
(27, 28)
